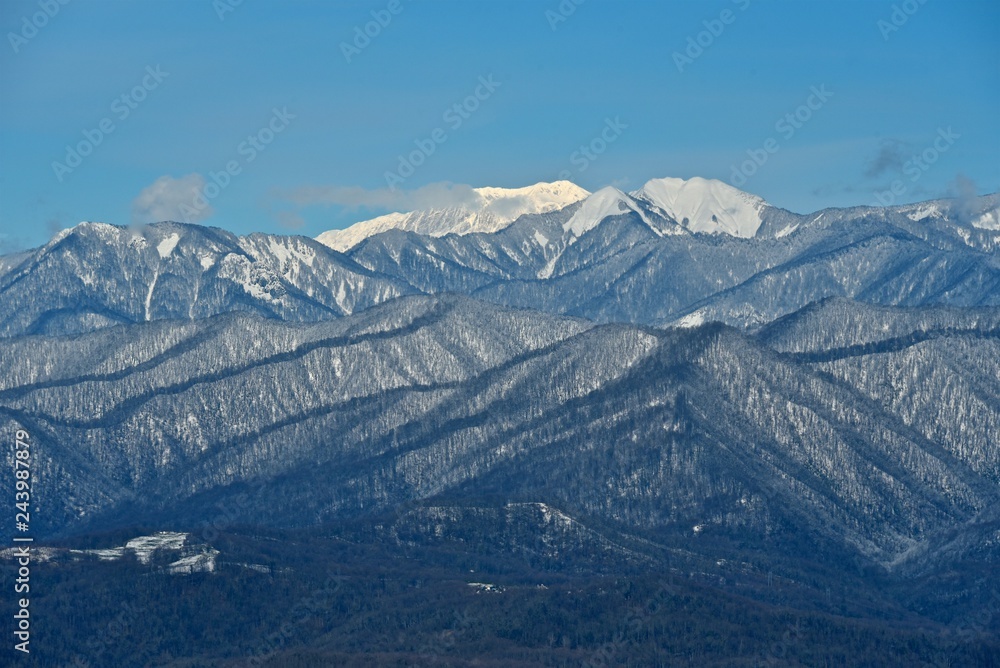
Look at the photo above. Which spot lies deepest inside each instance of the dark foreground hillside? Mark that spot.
(324, 600)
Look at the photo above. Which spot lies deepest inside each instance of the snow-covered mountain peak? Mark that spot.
(155, 233)
(539, 198)
(608, 201)
(492, 210)
(84, 227)
(705, 205)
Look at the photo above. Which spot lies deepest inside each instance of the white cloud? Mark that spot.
(168, 198)
(966, 194)
(432, 196)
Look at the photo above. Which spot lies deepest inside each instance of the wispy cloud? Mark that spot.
(880, 168)
(10, 243)
(890, 158)
(170, 198)
(966, 194)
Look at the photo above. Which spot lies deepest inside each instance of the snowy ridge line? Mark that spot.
(389, 396)
(892, 345)
(187, 345)
(118, 413)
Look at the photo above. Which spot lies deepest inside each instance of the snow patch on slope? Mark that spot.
(705, 205)
(990, 220)
(144, 546)
(787, 229)
(200, 562)
(288, 253)
(695, 319)
(924, 211)
(167, 246)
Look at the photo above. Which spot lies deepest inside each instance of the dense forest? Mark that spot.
(287, 599)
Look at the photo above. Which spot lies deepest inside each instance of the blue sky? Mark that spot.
(309, 129)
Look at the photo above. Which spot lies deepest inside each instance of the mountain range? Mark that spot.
(672, 252)
(683, 380)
